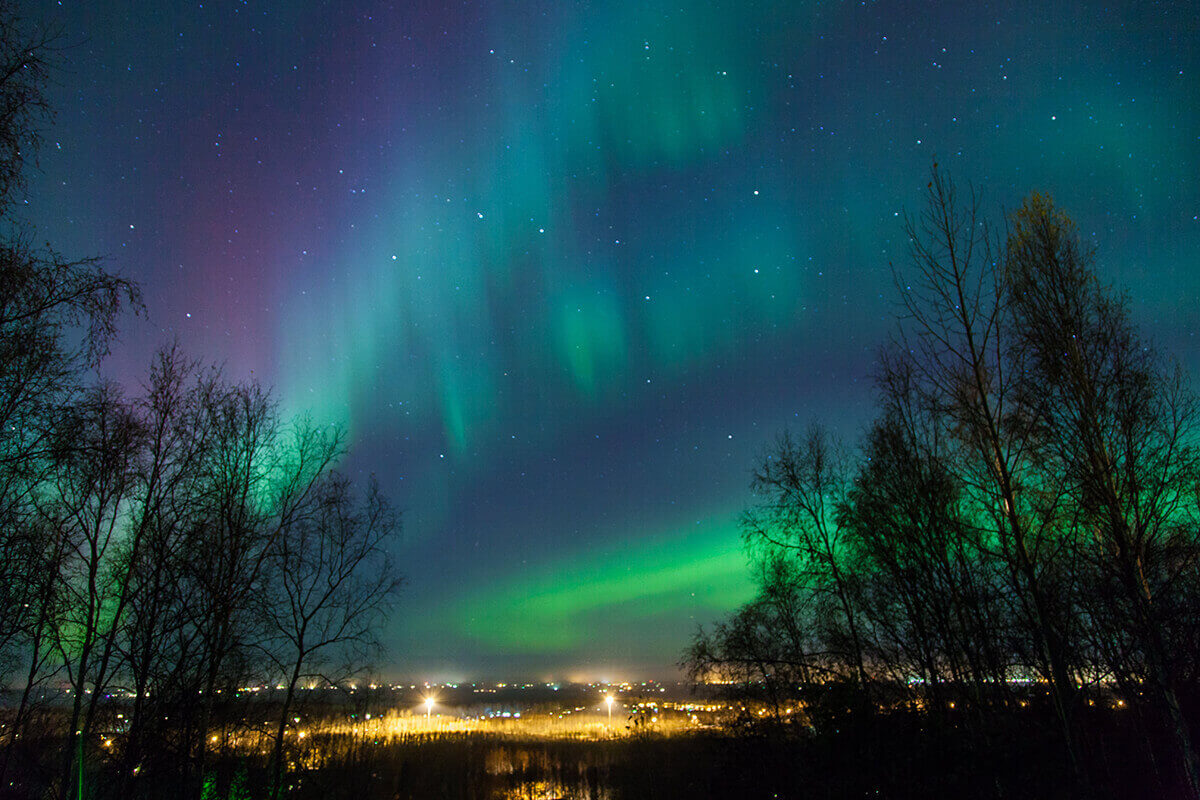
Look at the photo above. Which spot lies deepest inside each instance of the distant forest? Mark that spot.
(1007, 566)
(162, 547)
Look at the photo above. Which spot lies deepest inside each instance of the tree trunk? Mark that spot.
(277, 757)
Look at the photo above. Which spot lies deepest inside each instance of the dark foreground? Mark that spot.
(898, 756)
(906, 762)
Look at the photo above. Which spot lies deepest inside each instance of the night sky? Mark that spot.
(563, 269)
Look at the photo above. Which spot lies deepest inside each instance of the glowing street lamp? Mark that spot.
(609, 700)
(428, 707)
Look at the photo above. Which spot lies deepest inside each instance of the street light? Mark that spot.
(428, 707)
(609, 700)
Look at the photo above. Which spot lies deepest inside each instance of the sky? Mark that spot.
(563, 270)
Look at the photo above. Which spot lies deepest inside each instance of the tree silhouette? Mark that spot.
(1024, 508)
(173, 542)
(1122, 426)
(333, 579)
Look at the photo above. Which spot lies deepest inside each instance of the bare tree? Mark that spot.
(331, 579)
(174, 449)
(798, 485)
(38, 577)
(930, 583)
(956, 298)
(93, 484)
(1121, 426)
(27, 57)
(254, 485)
(57, 317)
(138, 535)
(771, 650)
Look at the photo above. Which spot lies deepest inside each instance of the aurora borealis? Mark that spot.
(562, 269)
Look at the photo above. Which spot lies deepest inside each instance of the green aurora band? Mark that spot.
(505, 284)
(561, 270)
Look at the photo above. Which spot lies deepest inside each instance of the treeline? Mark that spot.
(160, 548)
(1018, 528)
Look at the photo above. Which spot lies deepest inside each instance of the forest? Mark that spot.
(1009, 557)
(162, 547)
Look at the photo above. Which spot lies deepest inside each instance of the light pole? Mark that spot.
(609, 700)
(428, 707)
